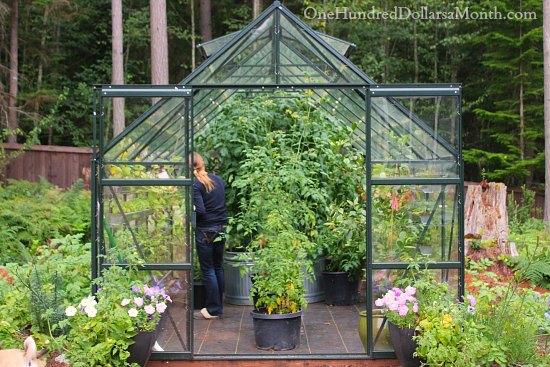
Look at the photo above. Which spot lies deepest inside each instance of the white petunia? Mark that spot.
(125, 302)
(70, 311)
(88, 302)
(91, 311)
(132, 312)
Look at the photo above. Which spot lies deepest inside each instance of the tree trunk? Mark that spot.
(485, 214)
(546, 45)
(206, 20)
(256, 8)
(193, 42)
(14, 48)
(118, 65)
(159, 43)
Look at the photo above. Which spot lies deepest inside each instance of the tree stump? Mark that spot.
(486, 215)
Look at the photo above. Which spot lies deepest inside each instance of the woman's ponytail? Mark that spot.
(200, 172)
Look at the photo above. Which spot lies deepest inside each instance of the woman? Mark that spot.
(209, 195)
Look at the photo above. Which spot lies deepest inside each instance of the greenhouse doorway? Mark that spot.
(142, 197)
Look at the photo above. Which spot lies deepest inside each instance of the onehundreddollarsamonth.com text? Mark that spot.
(423, 13)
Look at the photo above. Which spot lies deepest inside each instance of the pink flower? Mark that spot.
(472, 300)
(392, 306)
(149, 309)
(403, 310)
(410, 290)
(394, 203)
(379, 302)
(138, 301)
(415, 307)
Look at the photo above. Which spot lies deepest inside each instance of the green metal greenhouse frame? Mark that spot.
(279, 52)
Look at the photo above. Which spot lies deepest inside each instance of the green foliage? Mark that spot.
(58, 274)
(344, 238)
(509, 108)
(501, 325)
(280, 261)
(33, 213)
(280, 141)
(533, 263)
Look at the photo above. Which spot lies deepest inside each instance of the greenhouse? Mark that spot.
(314, 153)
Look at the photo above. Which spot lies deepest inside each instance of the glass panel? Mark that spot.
(339, 45)
(150, 222)
(175, 324)
(409, 220)
(133, 108)
(157, 135)
(145, 171)
(211, 47)
(414, 137)
(384, 280)
(242, 55)
(267, 55)
(321, 65)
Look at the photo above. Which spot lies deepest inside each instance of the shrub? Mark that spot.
(33, 213)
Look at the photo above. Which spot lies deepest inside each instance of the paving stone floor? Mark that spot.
(325, 330)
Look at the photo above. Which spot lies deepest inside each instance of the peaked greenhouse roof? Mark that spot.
(278, 51)
(276, 48)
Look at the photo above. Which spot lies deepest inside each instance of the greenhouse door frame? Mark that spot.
(99, 182)
(411, 90)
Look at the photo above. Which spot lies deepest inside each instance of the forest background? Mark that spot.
(64, 48)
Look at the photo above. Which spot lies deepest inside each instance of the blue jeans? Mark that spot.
(210, 247)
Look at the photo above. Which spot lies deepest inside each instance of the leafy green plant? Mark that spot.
(57, 274)
(499, 326)
(33, 213)
(480, 265)
(344, 238)
(280, 140)
(280, 263)
(99, 330)
(396, 226)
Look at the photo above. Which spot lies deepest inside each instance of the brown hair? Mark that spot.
(200, 172)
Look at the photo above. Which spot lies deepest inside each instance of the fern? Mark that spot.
(537, 272)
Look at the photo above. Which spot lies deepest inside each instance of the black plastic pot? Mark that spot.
(277, 331)
(339, 290)
(141, 350)
(404, 345)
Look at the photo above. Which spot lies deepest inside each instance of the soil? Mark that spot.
(51, 362)
(504, 274)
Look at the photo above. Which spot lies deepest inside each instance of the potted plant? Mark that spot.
(344, 241)
(401, 309)
(280, 259)
(115, 327)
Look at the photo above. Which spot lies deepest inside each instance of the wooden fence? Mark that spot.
(61, 166)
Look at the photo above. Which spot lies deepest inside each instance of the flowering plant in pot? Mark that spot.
(101, 329)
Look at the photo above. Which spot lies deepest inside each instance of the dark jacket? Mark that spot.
(210, 207)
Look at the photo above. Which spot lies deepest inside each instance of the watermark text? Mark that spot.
(406, 13)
